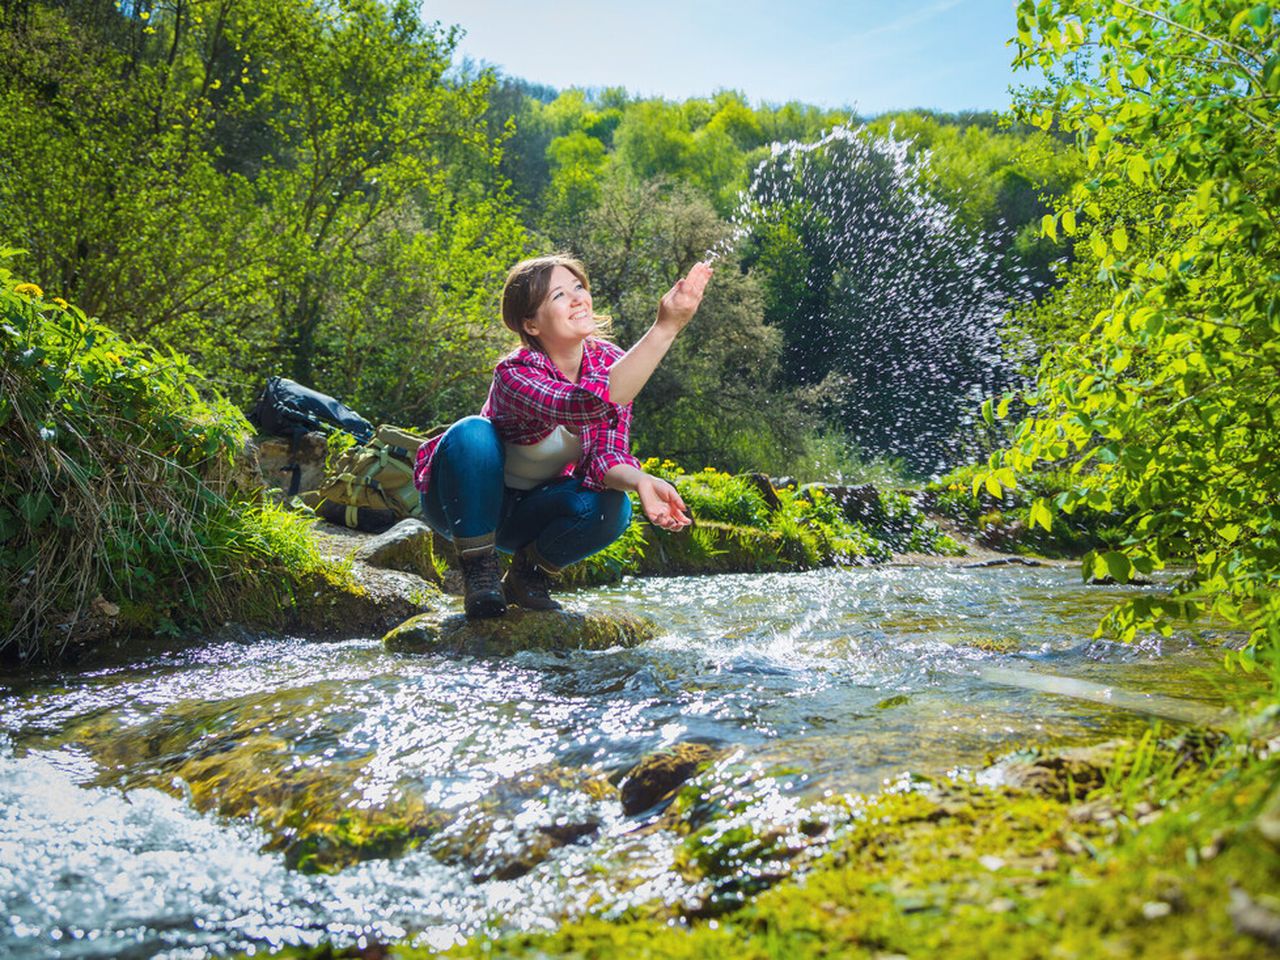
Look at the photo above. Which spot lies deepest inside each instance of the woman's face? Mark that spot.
(565, 317)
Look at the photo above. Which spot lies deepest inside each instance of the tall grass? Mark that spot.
(124, 500)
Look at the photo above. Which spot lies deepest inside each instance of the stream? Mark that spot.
(814, 686)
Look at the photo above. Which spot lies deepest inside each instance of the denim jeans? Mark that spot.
(466, 498)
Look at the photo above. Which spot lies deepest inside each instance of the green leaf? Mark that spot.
(1049, 226)
(1259, 16)
(1068, 222)
(988, 412)
(1120, 239)
(992, 485)
(1098, 245)
(1118, 565)
(1041, 515)
(34, 507)
(1137, 168)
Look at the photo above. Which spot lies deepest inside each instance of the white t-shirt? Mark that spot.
(529, 464)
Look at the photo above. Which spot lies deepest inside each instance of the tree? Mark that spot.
(295, 188)
(1167, 402)
(704, 403)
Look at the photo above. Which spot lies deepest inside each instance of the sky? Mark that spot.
(870, 55)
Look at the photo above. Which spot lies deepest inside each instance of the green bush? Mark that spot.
(1006, 519)
(120, 498)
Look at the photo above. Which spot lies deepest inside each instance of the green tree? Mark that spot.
(704, 404)
(1166, 403)
(295, 188)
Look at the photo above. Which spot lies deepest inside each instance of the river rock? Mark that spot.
(657, 777)
(1066, 775)
(407, 546)
(519, 630)
(764, 486)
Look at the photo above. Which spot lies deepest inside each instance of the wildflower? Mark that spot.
(28, 290)
(59, 302)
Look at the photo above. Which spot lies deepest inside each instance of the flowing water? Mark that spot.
(817, 684)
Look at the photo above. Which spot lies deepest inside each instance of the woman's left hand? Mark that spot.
(662, 504)
(681, 302)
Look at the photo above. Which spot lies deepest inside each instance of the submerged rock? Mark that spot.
(657, 777)
(519, 630)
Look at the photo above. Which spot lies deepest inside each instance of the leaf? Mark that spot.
(992, 485)
(1137, 168)
(1069, 222)
(1041, 515)
(988, 412)
(1118, 565)
(34, 507)
(1259, 16)
(1098, 245)
(1120, 239)
(1049, 226)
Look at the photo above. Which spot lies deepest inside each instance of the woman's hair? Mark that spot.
(526, 288)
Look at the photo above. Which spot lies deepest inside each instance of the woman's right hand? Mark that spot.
(662, 504)
(680, 303)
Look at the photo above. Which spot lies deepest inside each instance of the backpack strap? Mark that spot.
(293, 467)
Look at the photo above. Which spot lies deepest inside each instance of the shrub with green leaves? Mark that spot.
(1164, 403)
(1006, 517)
(118, 495)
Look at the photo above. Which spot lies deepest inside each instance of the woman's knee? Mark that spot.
(472, 434)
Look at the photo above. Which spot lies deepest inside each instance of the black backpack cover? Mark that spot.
(288, 409)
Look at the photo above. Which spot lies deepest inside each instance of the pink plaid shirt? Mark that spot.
(530, 397)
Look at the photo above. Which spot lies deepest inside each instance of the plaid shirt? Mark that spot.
(530, 397)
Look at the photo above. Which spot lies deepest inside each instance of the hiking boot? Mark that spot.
(482, 585)
(528, 584)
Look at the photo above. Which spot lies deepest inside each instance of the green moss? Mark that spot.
(519, 630)
(966, 872)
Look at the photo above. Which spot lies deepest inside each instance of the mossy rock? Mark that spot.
(519, 630)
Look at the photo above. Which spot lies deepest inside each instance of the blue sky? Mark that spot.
(872, 55)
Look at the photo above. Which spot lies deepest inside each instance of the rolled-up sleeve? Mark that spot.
(526, 392)
(611, 447)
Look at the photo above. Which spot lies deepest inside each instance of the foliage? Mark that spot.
(1165, 404)
(176, 169)
(1003, 520)
(118, 489)
(704, 403)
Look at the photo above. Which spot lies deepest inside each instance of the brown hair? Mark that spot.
(526, 288)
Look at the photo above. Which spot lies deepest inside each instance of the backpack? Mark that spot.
(288, 409)
(370, 487)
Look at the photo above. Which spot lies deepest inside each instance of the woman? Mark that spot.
(543, 472)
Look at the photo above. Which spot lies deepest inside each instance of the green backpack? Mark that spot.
(370, 486)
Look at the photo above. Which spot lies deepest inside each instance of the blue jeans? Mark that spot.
(466, 498)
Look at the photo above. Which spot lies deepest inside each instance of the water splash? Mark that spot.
(890, 306)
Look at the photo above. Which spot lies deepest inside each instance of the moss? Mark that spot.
(519, 630)
(963, 871)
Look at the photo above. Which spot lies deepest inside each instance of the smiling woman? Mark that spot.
(543, 472)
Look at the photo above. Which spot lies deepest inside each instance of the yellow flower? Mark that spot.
(58, 301)
(28, 290)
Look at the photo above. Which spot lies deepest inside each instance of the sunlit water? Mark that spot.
(844, 678)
